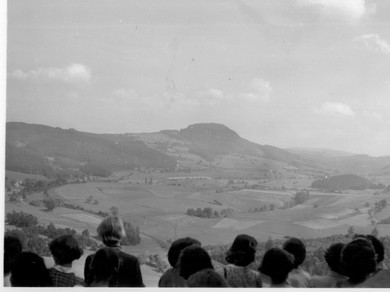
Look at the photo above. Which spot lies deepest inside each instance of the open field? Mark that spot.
(160, 211)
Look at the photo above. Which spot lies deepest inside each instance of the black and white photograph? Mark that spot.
(196, 143)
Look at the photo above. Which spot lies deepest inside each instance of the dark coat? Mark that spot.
(172, 278)
(129, 273)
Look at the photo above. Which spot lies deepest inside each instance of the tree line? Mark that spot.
(209, 212)
(32, 234)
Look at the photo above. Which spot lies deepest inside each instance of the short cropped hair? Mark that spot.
(243, 250)
(277, 264)
(65, 249)
(358, 260)
(111, 230)
(177, 246)
(29, 270)
(297, 248)
(333, 257)
(378, 246)
(193, 259)
(206, 278)
(12, 248)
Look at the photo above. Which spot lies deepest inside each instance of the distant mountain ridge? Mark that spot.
(319, 151)
(40, 149)
(345, 162)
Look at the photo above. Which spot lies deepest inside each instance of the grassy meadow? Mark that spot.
(159, 209)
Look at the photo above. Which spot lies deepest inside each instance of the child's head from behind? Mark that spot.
(177, 246)
(333, 257)
(297, 248)
(358, 260)
(243, 250)
(65, 249)
(277, 264)
(193, 259)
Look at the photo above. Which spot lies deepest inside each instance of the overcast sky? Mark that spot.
(299, 73)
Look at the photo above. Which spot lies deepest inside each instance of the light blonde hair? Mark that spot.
(111, 230)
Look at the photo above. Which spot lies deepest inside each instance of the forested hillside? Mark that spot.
(344, 182)
(47, 150)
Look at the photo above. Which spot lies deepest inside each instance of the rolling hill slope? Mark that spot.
(40, 149)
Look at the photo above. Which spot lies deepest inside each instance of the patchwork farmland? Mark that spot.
(160, 211)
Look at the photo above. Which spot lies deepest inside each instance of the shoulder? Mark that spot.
(128, 257)
(317, 281)
(79, 281)
(306, 275)
(299, 278)
(253, 272)
(379, 280)
(234, 268)
(167, 273)
(171, 278)
(89, 257)
(219, 268)
(164, 279)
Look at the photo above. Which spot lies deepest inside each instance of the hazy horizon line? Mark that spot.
(307, 148)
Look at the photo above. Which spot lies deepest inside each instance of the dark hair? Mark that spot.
(358, 260)
(277, 264)
(297, 248)
(206, 278)
(29, 270)
(65, 249)
(378, 246)
(193, 259)
(12, 248)
(177, 246)
(243, 250)
(333, 257)
(104, 265)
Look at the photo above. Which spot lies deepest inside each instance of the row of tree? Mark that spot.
(21, 219)
(271, 207)
(209, 212)
(35, 237)
(133, 236)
